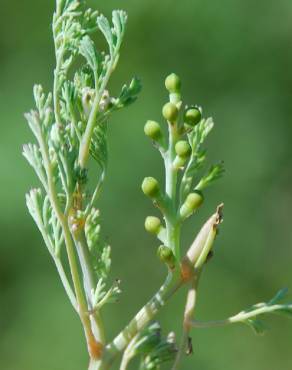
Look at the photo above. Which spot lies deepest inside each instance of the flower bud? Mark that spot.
(173, 83)
(179, 162)
(88, 95)
(183, 149)
(152, 129)
(170, 112)
(166, 255)
(192, 116)
(192, 202)
(150, 187)
(203, 244)
(152, 224)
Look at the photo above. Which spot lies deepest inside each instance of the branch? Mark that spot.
(174, 281)
(244, 316)
(187, 325)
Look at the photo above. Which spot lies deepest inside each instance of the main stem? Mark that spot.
(172, 226)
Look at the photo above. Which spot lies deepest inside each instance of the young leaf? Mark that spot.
(105, 28)
(88, 50)
(129, 94)
(215, 172)
(280, 295)
(257, 325)
(119, 18)
(98, 148)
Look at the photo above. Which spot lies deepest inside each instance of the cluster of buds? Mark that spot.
(182, 155)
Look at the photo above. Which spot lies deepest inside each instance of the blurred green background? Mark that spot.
(234, 58)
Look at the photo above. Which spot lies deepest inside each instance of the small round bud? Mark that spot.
(150, 187)
(183, 149)
(166, 255)
(172, 83)
(152, 129)
(170, 112)
(193, 202)
(152, 224)
(192, 116)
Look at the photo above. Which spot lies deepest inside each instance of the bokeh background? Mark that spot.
(234, 58)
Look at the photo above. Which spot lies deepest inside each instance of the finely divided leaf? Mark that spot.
(215, 172)
(280, 295)
(105, 28)
(129, 93)
(88, 50)
(258, 326)
(99, 148)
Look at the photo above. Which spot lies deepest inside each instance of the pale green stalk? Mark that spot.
(188, 315)
(86, 139)
(142, 318)
(89, 281)
(81, 302)
(242, 316)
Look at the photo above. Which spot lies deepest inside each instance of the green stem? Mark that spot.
(142, 318)
(240, 317)
(172, 226)
(170, 172)
(66, 283)
(188, 315)
(89, 280)
(81, 301)
(86, 139)
(128, 354)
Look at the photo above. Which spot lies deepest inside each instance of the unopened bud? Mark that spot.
(150, 187)
(192, 116)
(87, 100)
(173, 83)
(166, 255)
(192, 202)
(152, 224)
(198, 253)
(152, 129)
(183, 149)
(170, 112)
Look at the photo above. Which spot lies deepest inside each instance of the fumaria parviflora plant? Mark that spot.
(70, 128)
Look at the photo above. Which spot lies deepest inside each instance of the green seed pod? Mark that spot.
(166, 255)
(150, 187)
(170, 112)
(192, 116)
(183, 149)
(173, 83)
(193, 202)
(152, 225)
(152, 129)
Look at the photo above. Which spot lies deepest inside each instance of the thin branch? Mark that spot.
(89, 280)
(86, 139)
(66, 283)
(242, 316)
(128, 354)
(188, 315)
